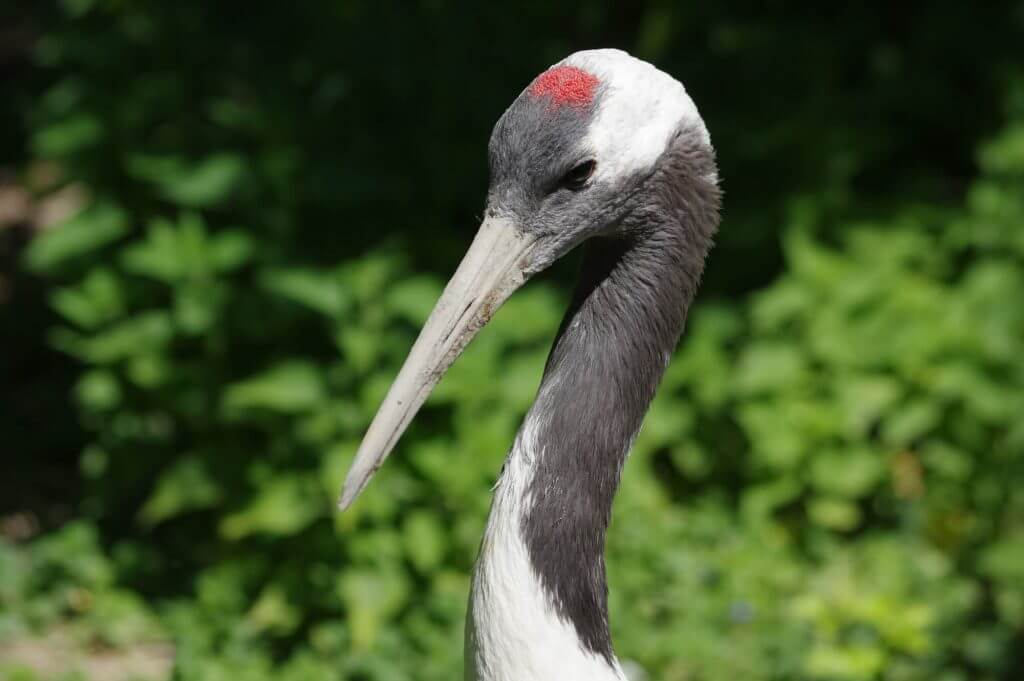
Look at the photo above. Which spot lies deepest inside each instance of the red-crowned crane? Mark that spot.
(605, 150)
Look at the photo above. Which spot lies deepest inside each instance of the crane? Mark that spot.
(604, 151)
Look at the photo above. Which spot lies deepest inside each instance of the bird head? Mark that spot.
(566, 161)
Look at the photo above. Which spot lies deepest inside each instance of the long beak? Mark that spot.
(499, 261)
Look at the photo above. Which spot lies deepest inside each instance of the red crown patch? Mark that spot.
(566, 86)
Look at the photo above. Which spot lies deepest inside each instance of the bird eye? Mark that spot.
(577, 177)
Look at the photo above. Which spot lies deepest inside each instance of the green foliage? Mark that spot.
(66, 577)
(824, 489)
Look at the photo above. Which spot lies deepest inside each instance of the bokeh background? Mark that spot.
(221, 224)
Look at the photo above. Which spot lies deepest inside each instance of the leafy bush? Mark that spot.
(824, 488)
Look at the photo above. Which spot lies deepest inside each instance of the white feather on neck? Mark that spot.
(513, 631)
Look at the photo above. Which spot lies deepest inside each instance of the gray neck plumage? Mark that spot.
(625, 320)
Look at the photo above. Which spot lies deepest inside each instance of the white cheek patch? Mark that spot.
(639, 110)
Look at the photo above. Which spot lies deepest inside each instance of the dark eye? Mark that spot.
(577, 177)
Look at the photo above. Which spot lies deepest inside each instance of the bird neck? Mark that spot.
(540, 591)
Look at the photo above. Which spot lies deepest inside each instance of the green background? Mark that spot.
(221, 224)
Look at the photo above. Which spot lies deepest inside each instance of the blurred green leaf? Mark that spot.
(370, 597)
(186, 486)
(97, 300)
(195, 184)
(414, 298)
(288, 388)
(98, 391)
(69, 135)
(425, 540)
(89, 230)
(319, 290)
(145, 332)
(1004, 560)
(770, 366)
(173, 252)
(835, 514)
(911, 421)
(273, 612)
(282, 506)
(849, 473)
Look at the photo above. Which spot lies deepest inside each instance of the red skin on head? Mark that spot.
(566, 86)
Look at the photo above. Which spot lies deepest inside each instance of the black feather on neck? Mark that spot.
(625, 320)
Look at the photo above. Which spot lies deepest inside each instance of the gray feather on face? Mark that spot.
(532, 149)
(532, 146)
(626, 317)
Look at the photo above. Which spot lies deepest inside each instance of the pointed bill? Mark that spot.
(497, 263)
